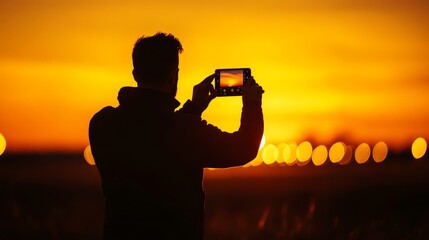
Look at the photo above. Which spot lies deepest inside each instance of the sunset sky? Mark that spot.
(331, 69)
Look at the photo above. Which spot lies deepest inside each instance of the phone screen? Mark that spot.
(231, 78)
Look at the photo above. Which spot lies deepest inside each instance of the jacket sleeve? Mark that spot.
(189, 108)
(223, 149)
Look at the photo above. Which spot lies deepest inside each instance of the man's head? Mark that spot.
(156, 61)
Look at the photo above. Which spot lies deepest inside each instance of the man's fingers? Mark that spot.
(250, 82)
(208, 79)
(212, 91)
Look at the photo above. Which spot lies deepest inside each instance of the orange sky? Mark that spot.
(356, 70)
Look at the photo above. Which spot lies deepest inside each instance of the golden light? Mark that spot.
(258, 160)
(387, 45)
(419, 148)
(255, 162)
(2, 144)
(281, 147)
(320, 154)
(304, 151)
(87, 153)
(289, 154)
(379, 152)
(348, 156)
(337, 152)
(270, 154)
(262, 144)
(362, 153)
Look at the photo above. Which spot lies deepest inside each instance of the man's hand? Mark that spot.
(252, 92)
(203, 93)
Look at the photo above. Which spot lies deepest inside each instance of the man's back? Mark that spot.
(150, 179)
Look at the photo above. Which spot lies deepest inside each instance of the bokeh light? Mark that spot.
(300, 163)
(320, 154)
(419, 148)
(87, 153)
(337, 152)
(256, 162)
(2, 144)
(289, 154)
(379, 152)
(348, 156)
(270, 154)
(304, 151)
(362, 153)
(281, 147)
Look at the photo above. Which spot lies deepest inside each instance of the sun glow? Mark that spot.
(262, 144)
(379, 63)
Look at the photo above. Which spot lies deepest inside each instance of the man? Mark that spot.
(151, 157)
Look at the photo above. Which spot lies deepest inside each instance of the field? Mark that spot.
(58, 196)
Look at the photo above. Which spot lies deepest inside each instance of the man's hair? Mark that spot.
(155, 57)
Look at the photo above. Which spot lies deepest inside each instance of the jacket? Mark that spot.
(151, 160)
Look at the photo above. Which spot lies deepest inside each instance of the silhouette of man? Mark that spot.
(151, 157)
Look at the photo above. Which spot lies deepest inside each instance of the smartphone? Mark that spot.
(230, 81)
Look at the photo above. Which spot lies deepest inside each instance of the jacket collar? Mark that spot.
(148, 98)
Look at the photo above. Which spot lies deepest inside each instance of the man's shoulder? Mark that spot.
(106, 110)
(102, 115)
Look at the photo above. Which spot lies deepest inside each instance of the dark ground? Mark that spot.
(58, 196)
